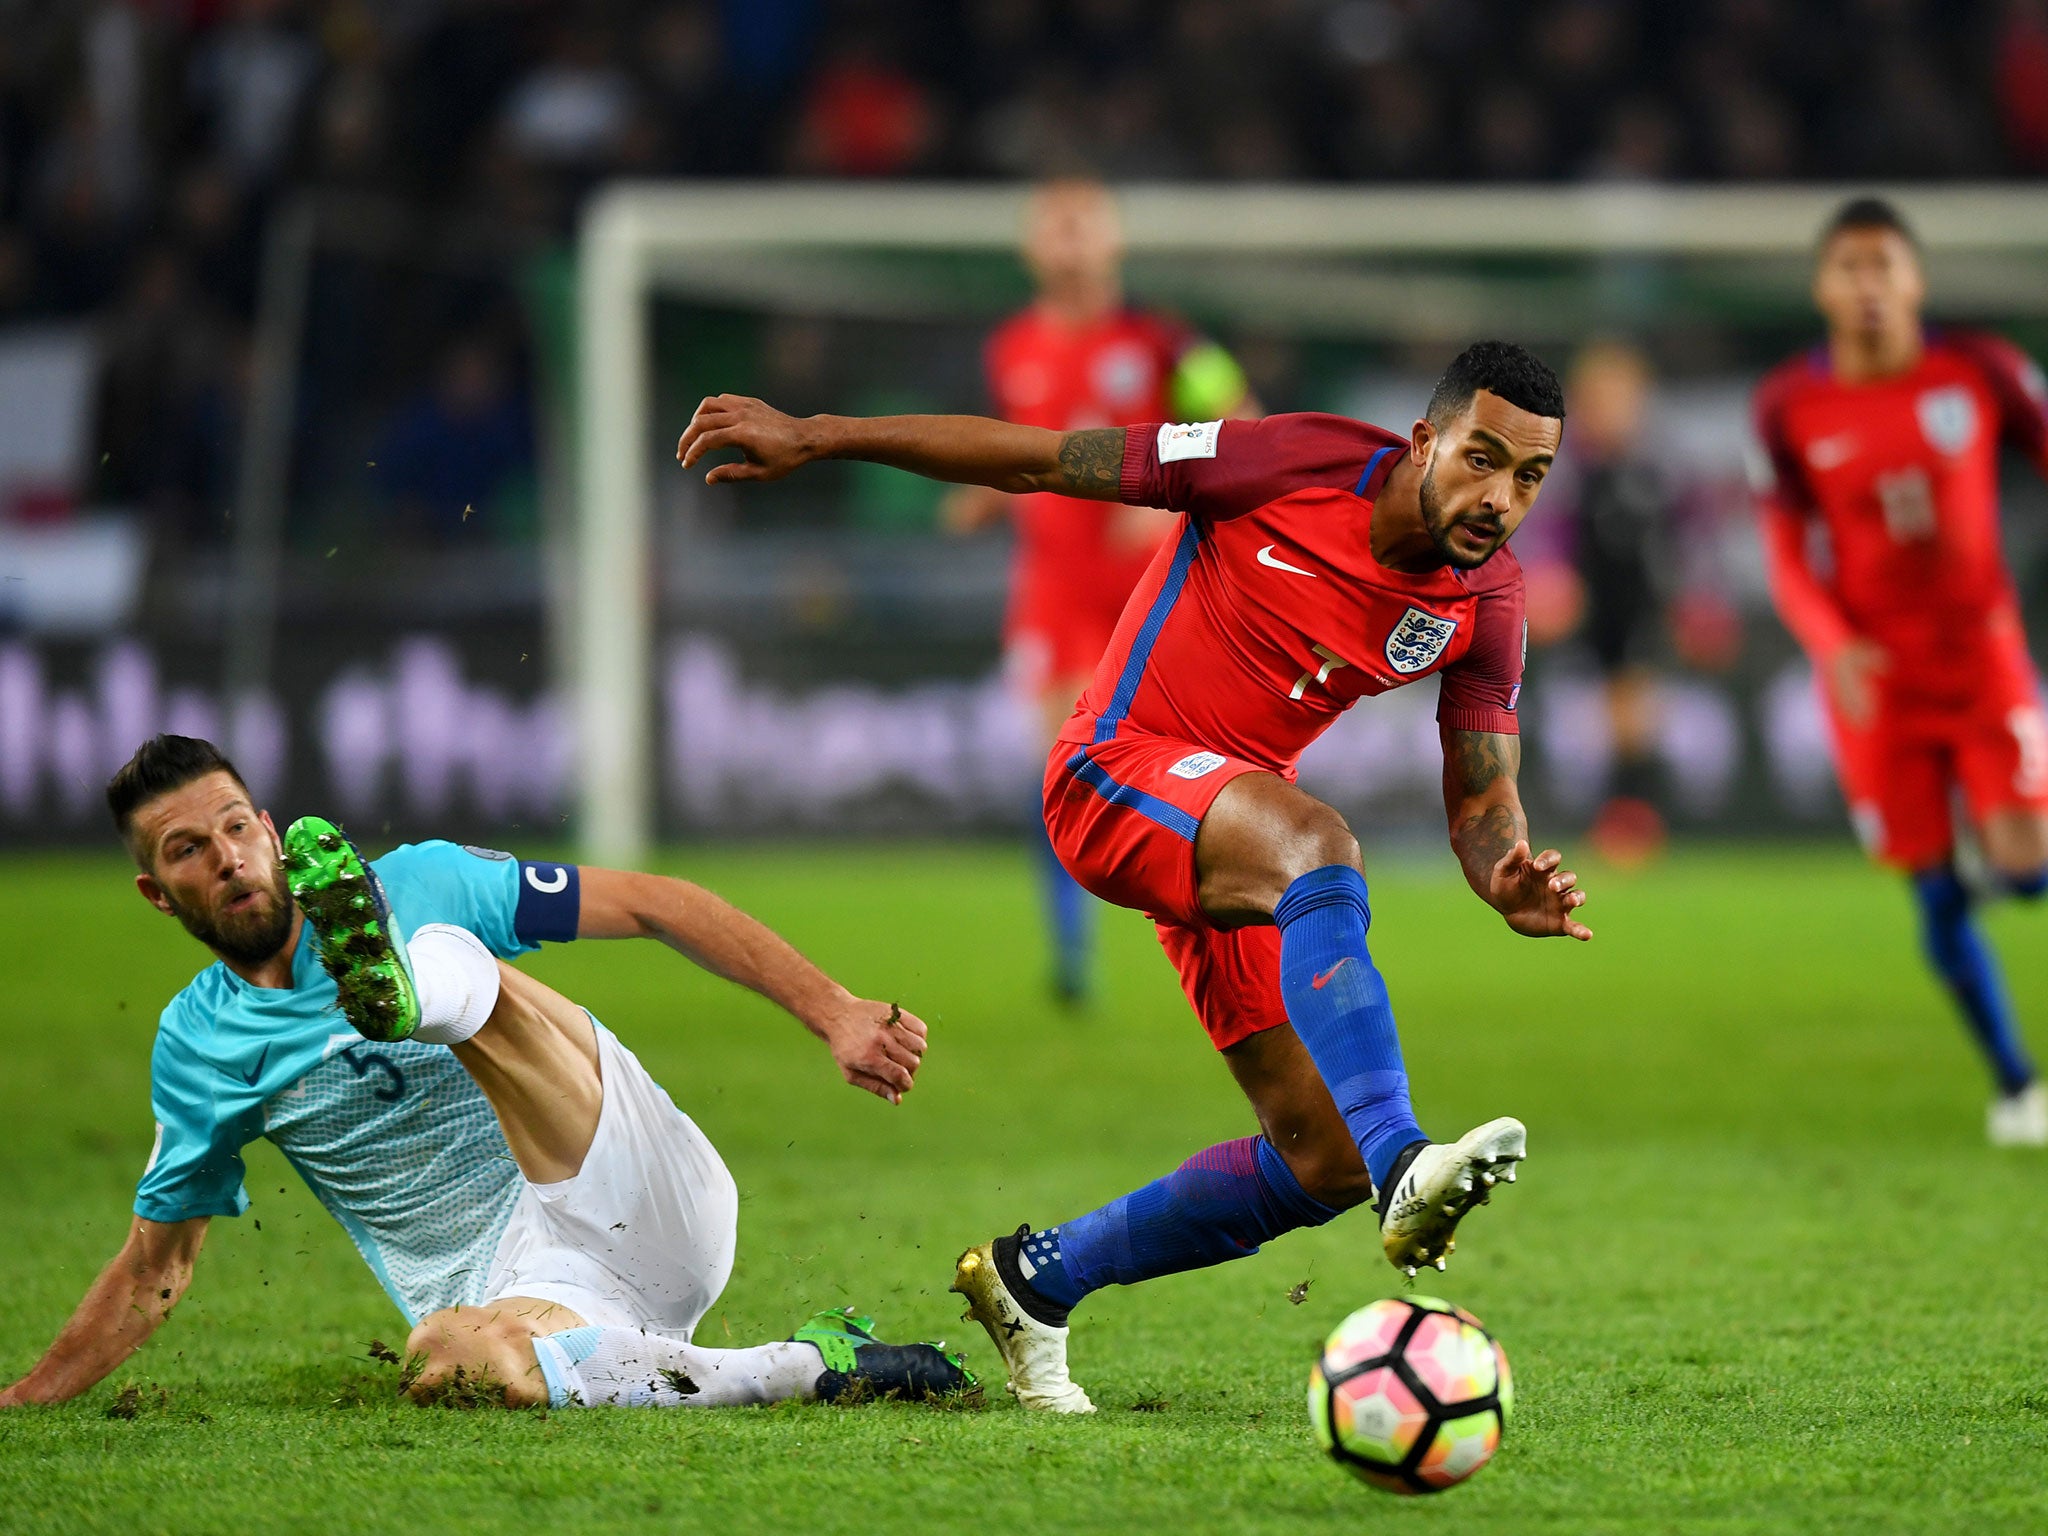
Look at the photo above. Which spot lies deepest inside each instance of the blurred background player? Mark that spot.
(1884, 446)
(1079, 357)
(1611, 585)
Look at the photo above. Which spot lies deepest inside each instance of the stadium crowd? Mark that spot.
(144, 143)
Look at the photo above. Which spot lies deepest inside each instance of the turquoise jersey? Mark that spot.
(396, 1140)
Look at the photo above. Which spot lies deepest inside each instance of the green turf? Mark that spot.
(1761, 1275)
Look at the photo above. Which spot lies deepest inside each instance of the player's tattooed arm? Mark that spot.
(1490, 835)
(1091, 463)
(966, 450)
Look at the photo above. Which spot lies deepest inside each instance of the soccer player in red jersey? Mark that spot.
(1080, 357)
(1319, 561)
(1884, 445)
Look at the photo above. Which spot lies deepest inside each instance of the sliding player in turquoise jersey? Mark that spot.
(550, 1224)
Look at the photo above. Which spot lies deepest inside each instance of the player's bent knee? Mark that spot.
(1265, 839)
(1322, 838)
(473, 1357)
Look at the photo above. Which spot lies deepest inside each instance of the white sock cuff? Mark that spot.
(457, 981)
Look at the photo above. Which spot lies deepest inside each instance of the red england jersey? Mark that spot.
(1269, 616)
(1043, 372)
(1901, 477)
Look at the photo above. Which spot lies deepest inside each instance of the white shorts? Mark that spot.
(643, 1236)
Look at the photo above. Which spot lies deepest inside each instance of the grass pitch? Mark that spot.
(1761, 1274)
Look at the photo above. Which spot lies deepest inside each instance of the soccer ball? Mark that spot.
(1411, 1395)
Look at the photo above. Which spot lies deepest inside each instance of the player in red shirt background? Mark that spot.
(1081, 357)
(1318, 561)
(1884, 446)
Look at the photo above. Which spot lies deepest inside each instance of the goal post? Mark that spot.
(638, 239)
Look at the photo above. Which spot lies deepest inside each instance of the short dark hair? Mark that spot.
(161, 764)
(1867, 213)
(1502, 368)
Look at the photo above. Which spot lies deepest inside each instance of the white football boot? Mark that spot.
(1440, 1184)
(2018, 1119)
(1034, 1353)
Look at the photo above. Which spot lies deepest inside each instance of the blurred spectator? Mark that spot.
(1131, 120)
(679, 56)
(17, 274)
(250, 80)
(2022, 83)
(217, 229)
(576, 106)
(864, 115)
(457, 448)
(350, 131)
(1511, 138)
(166, 403)
(82, 240)
(146, 144)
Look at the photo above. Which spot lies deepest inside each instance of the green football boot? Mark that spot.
(358, 943)
(858, 1365)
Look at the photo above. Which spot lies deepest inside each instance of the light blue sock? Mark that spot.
(558, 1354)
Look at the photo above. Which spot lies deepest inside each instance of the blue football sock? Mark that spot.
(1069, 914)
(1218, 1205)
(2030, 886)
(1963, 959)
(1337, 1003)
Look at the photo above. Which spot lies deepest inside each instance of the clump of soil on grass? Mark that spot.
(131, 1402)
(464, 1389)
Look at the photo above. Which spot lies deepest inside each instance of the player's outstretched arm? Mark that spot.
(878, 1046)
(1849, 661)
(132, 1296)
(967, 450)
(1491, 837)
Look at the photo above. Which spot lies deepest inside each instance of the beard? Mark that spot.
(246, 938)
(1438, 524)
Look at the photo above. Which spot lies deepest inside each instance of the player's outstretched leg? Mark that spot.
(1962, 957)
(1266, 849)
(1221, 1204)
(521, 1352)
(358, 943)
(833, 1357)
(439, 989)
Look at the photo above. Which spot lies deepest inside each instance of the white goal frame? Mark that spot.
(638, 237)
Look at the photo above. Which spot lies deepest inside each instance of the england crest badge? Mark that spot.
(1948, 418)
(1418, 640)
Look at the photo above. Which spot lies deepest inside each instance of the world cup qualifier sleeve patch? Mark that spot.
(550, 903)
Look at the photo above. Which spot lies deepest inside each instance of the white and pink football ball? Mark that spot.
(1411, 1395)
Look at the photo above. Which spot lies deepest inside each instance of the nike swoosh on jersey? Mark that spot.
(262, 1057)
(1267, 557)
